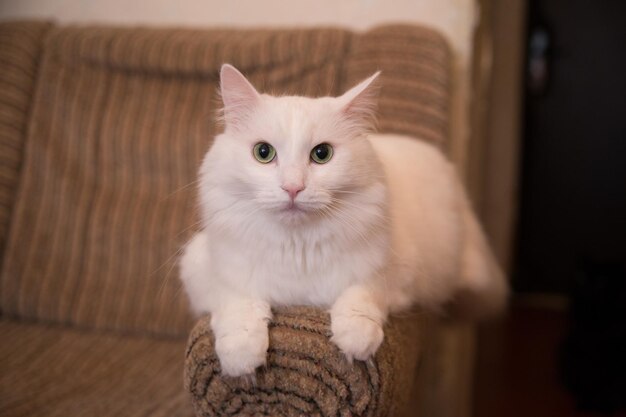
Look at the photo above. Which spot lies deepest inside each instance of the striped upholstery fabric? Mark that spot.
(415, 65)
(107, 152)
(20, 45)
(102, 375)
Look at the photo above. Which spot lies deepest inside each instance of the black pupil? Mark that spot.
(264, 151)
(321, 152)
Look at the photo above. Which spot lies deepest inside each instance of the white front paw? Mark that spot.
(357, 335)
(242, 347)
(242, 351)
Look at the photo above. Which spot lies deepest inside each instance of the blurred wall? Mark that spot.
(453, 17)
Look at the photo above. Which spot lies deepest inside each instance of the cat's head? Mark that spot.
(293, 157)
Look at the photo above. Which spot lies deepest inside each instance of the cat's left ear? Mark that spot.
(359, 104)
(238, 95)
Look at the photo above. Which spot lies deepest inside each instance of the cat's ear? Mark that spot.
(358, 105)
(238, 95)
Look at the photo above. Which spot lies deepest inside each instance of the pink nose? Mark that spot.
(293, 189)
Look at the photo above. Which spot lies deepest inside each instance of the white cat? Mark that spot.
(302, 205)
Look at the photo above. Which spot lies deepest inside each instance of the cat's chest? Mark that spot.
(299, 272)
(294, 261)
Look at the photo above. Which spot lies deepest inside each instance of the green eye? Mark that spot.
(264, 152)
(322, 153)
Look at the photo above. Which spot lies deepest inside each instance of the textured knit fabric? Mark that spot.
(305, 375)
(57, 371)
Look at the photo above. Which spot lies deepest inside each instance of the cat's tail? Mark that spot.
(483, 289)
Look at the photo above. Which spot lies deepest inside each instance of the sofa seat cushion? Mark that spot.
(53, 370)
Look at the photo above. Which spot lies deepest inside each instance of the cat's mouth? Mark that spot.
(292, 212)
(297, 210)
(293, 207)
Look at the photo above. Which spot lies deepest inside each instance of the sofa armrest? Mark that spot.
(306, 374)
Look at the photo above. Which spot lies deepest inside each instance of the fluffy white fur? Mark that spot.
(383, 225)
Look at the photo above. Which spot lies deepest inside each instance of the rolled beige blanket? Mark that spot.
(306, 375)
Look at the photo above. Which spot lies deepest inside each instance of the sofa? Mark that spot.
(102, 130)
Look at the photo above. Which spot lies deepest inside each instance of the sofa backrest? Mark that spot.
(116, 128)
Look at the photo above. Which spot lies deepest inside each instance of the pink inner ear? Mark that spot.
(238, 95)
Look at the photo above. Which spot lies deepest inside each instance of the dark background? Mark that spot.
(561, 351)
(573, 205)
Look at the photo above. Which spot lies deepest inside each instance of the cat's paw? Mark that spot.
(242, 351)
(357, 335)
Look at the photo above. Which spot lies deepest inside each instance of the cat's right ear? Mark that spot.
(238, 95)
(358, 105)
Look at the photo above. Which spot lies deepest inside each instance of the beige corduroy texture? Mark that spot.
(50, 370)
(106, 128)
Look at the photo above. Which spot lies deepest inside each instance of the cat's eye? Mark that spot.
(264, 152)
(322, 153)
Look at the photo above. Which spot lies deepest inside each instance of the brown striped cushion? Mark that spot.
(305, 374)
(56, 371)
(415, 94)
(120, 121)
(20, 49)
